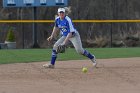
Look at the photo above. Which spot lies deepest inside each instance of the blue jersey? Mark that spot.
(65, 25)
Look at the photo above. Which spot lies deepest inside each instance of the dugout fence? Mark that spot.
(100, 33)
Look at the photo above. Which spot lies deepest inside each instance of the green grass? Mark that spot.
(36, 55)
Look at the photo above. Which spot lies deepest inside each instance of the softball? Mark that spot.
(84, 69)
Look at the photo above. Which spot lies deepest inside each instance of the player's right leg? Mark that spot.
(54, 54)
(76, 40)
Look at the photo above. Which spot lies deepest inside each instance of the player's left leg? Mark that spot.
(54, 53)
(76, 40)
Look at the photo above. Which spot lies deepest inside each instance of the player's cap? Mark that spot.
(61, 10)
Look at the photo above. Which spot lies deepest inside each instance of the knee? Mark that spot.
(55, 47)
(80, 51)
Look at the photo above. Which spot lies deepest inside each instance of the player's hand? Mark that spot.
(50, 38)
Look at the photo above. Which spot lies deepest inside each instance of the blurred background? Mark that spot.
(92, 34)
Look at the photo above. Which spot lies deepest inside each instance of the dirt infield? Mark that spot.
(112, 76)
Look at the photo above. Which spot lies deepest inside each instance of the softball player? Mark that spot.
(69, 33)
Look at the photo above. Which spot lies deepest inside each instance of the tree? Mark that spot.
(10, 36)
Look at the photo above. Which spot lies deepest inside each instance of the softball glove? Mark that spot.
(61, 49)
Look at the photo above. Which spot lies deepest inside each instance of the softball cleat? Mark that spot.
(48, 66)
(94, 61)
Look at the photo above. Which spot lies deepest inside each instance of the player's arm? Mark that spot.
(70, 34)
(54, 32)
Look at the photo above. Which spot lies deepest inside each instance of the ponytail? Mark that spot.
(68, 10)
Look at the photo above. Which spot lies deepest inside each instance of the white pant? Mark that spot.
(76, 41)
